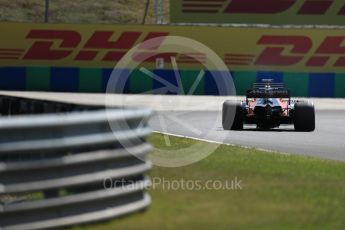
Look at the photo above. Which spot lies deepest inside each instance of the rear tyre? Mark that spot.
(233, 116)
(304, 117)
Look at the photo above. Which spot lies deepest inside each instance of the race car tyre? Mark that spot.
(304, 117)
(232, 115)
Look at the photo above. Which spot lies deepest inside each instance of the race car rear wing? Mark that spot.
(268, 89)
(268, 93)
(262, 85)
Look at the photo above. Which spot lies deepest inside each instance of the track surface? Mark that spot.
(200, 117)
(327, 141)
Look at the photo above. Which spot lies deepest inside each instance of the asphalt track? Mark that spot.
(200, 118)
(327, 141)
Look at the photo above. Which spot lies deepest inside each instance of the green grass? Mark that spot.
(278, 192)
(79, 11)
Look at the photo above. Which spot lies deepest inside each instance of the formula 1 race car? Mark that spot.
(268, 105)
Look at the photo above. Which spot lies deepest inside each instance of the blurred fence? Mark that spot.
(86, 11)
(46, 11)
(67, 166)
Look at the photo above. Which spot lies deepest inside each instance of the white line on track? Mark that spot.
(220, 143)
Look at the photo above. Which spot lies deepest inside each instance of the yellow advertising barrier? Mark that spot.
(278, 12)
(61, 45)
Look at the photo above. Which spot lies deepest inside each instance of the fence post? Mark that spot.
(159, 11)
(46, 14)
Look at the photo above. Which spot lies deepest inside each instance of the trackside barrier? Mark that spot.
(62, 164)
(309, 61)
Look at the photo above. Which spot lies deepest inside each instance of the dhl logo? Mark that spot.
(99, 42)
(101, 45)
(308, 7)
(293, 50)
(109, 47)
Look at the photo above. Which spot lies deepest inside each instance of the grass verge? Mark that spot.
(278, 192)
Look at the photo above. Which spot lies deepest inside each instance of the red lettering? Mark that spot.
(102, 40)
(340, 62)
(259, 6)
(317, 61)
(127, 40)
(332, 45)
(86, 55)
(42, 50)
(114, 55)
(273, 55)
(158, 39)
(310, 7)
(315, 7)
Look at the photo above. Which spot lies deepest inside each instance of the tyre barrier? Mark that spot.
(64, 164)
